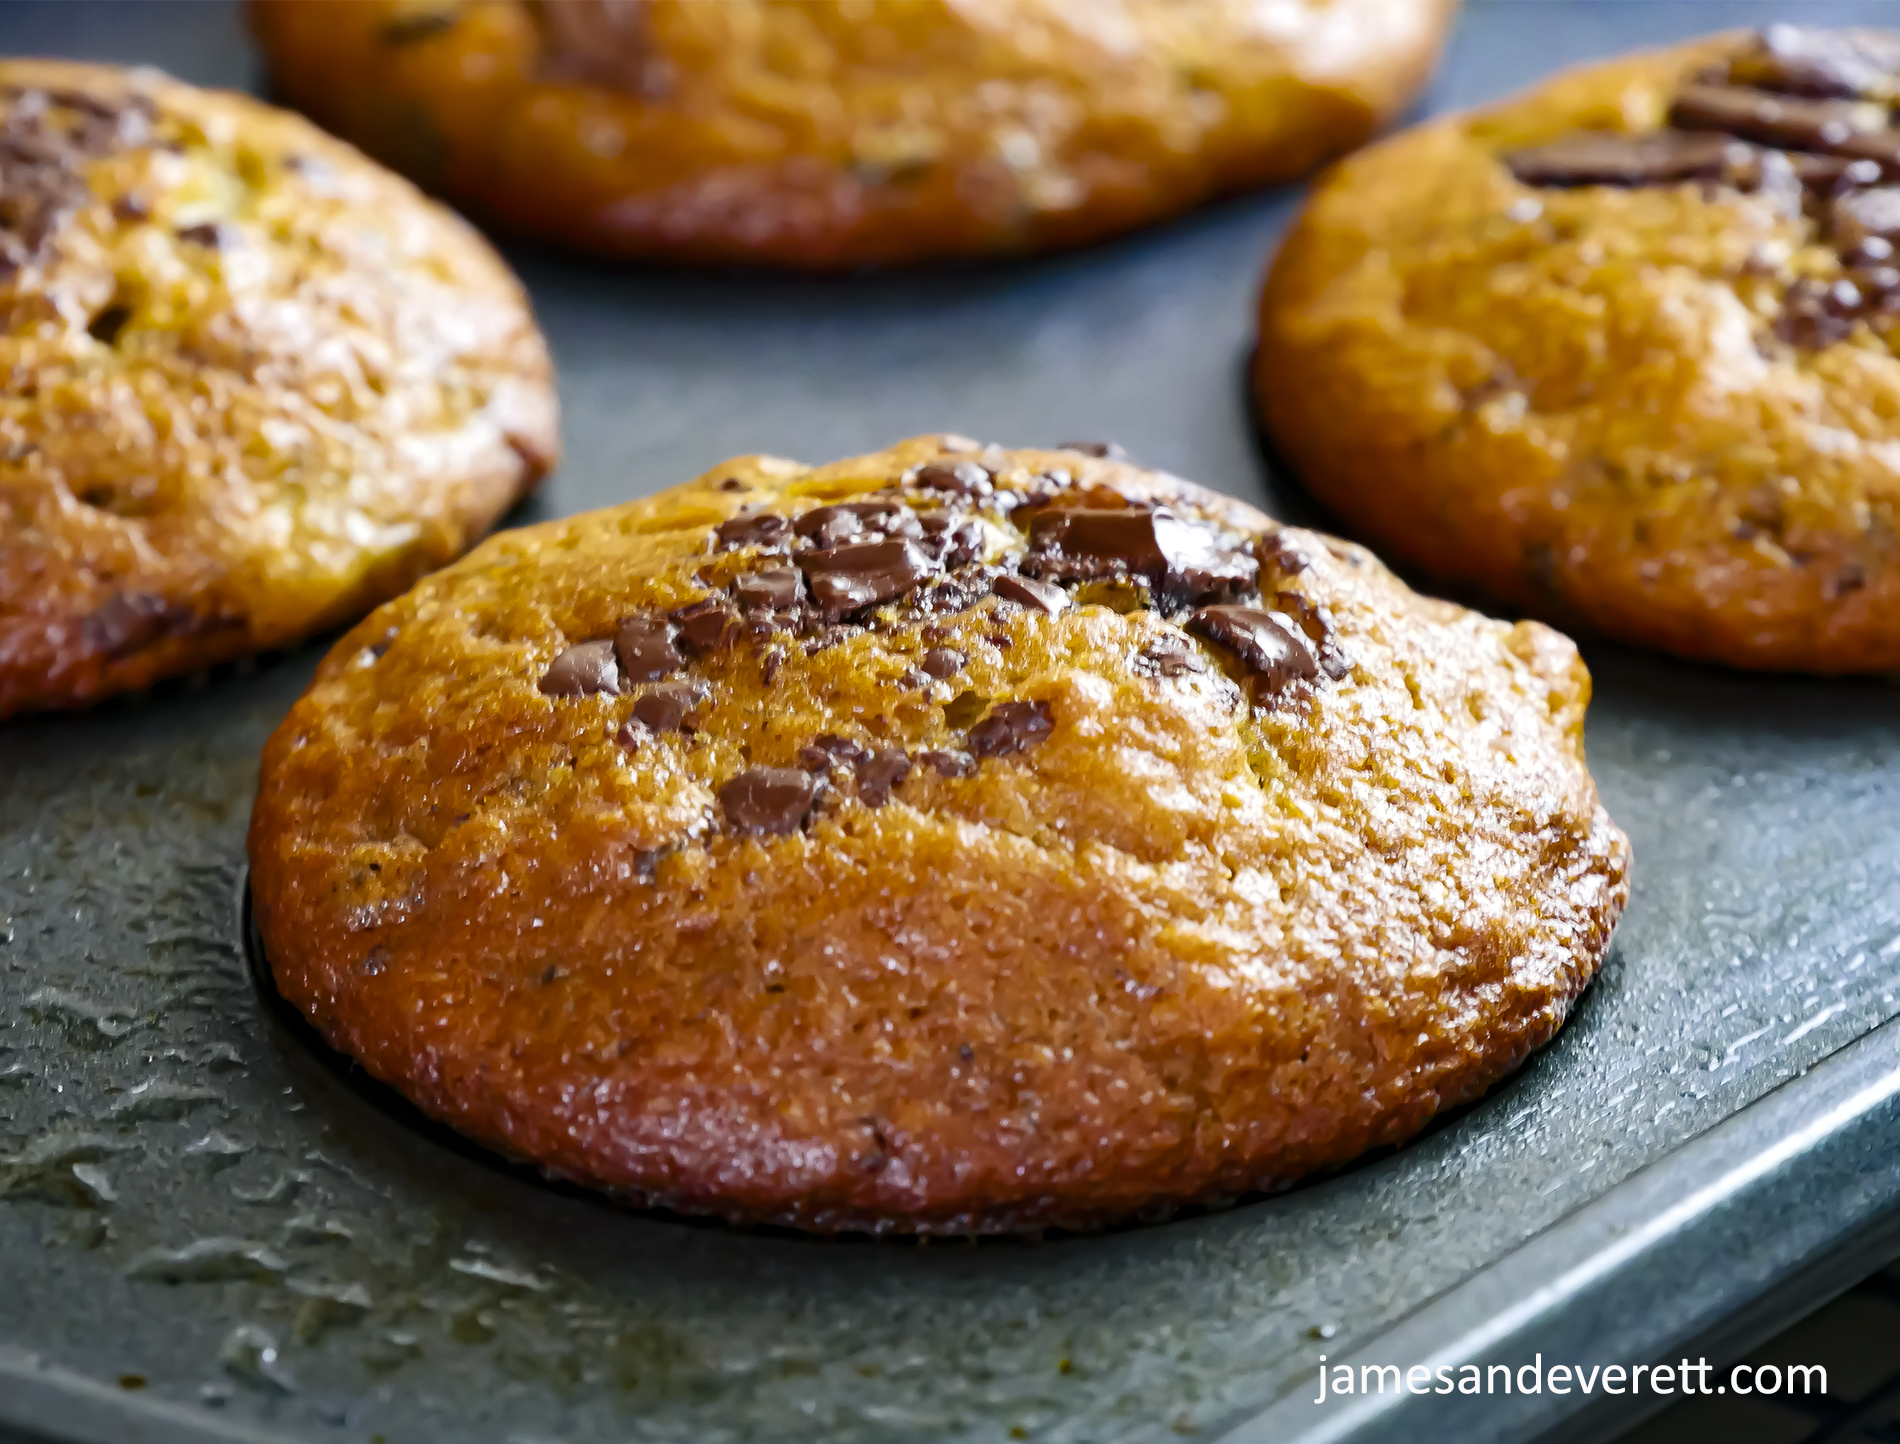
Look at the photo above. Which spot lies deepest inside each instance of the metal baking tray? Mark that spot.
(210, 1230)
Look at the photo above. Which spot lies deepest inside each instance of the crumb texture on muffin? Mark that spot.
(827, 133)
(251, 384)
(1622, 351)
(947, 840)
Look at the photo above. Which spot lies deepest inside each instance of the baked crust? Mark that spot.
(1149, 914)
(1617, 407)
(251, 384)
(826, 134)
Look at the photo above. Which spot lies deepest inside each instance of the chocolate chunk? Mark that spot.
(773, 590)
(1270, 644)
(1817, 314)
(1184, 561)
(1107, 450)
(1316, 621)
(208, 233)
(1841, 64)
(826, 526)
(768, 801)
(829, 750)
(959, 478)
(416, 25)
(878, 773)
(942, 662)
(663, 708)
(645, 647)
(1861, 217)
(106, 326)
(1168, 657)
(769, 665)
(707, 626)
(127, 622)
(950, 764)
(1619, 158)
(583, 668)
(759, 529)
(131, 208)
(1011, 727)
(862, 574)
(1028, 592)
(631, 734)
(1839, 126)
(952, 541)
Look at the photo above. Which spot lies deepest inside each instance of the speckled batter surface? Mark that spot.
(251, 384)
(835, 133)
(949, 839)
(1621, 351)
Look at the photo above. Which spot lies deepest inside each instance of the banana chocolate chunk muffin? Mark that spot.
(251, 384)
(824, 134)
(948, 840)
(1624, 351)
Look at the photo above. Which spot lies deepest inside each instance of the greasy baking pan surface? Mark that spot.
(202, 1224)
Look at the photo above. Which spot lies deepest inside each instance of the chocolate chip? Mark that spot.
(1168, 656)
(128, 622)
(209, 234)
(645, 647)
(878, 773)
(952, 541)
(1108, 450)
(416, 25)
(759, 529)
(1817, 313)
(707, 626)
(950, 764)
(768, 801)
(827, 526)
(1832, 63)
(769, 665)
(1316, 621)
(663, 708)
(1860, 217)
(106, 326)
(631, 734)
(131, 208)
(583, 668)
(958, 478)
(829, 750)
(1271, 646)
(1787, 121)
(773, 590)
(861, 574)
(1184, 561)
(1028, 592)
(1614, 157)
(1011, 727)
(942, 662)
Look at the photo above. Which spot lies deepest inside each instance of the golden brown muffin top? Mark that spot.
(950, 838)
(828, 133)
(1623, 348)
(250, 383)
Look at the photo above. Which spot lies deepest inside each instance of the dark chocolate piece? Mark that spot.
(1168, 657)
(645, 647)
(1184, 561)
(1839, 126)
(878, 773)
(663, 708)
(828, 750)
(1817, 314)
(862, 574)
(416, 25)
(1316, 620)
(1011, 727)
(707, 626)
(1838, 64)
(768, 801)
(127, 622)
(1861, 217)
(827, 526)
(772, 590)
(950, 764)
(583, 668)
(1028, 592)
(942, 662)
(208, 233)
(769, 665)
(958, 478)
(1107, 450)
(1271, 645)
(1619, 158)
(757, 529)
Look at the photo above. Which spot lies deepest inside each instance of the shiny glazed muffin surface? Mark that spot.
(945, 840)
(251, 384)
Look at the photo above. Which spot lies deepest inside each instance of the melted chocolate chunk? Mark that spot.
(769, 665)
(827, 526)
(208, 234)
(1840, 64)
(1011, 727)
(768, 801)
(949, 764)
(773, 590)
(1107, 450)
(664, 707)
(48, 141)
(1861, 218)
(862, 574)
(1028, 592)
(583, 668)
(1817, 314)
(416, 25)
(759, 529)
(952, 541)
(1183, 561)
(828, 750)
(878, 773)
(958, 478)
(942, 662)
(1168, 657)
(707, 626)
(127, 622)
(1618, 158)
(645, 647)
(1270, 644)
(1316, 620)
(1839, 126)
